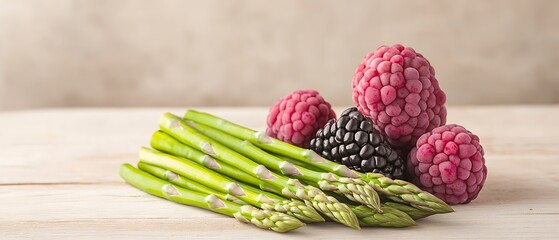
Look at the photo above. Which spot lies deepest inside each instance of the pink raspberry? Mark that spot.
(296, 117)
(449, 163)
(397, 88)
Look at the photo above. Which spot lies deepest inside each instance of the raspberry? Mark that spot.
(449, 163)
(296, 117)
(397, 88)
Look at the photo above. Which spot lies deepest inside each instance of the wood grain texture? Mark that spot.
(59, 179)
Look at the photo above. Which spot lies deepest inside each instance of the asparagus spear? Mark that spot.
(265, 201)
(405, 192)
(400, 191)
(419, 202)
(390, 217)
(266, 219)
(165, 143)
(181, 181)
(414, 213)
(298, 163)
(325, 204)
(368, 217)
(396, 190)
(354, 189)
(222, 184)
(263, 141)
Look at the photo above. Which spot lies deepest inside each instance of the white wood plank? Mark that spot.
(59, 179)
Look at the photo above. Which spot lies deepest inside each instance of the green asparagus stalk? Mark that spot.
(181, 181)
(325, 204)
(396, 190)
(165, 143)
(367, 216)
(263, 141)
(298, 163)
(222, 184)
(266, 219)
(390, 217)
(266, 200)
(405, 192)
(354, 189)
(387, 217)
(414, 213)
(400, 191)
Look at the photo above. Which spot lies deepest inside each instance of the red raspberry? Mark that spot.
(449, 163)
(296, 117)
(397, 88)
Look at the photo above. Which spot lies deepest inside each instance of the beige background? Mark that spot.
(62, 53)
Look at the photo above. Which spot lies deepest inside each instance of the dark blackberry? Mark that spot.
(352, 141)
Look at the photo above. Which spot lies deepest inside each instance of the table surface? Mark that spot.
(59, 179)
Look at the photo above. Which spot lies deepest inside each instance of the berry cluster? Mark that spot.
(398, 124)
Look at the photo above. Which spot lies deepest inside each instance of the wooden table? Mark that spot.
(59, 180)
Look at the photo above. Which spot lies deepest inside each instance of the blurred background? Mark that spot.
(78, 53)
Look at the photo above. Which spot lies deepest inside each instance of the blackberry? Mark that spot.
(352, 141)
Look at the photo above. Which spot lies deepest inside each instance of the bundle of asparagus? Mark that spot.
(205, 161)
